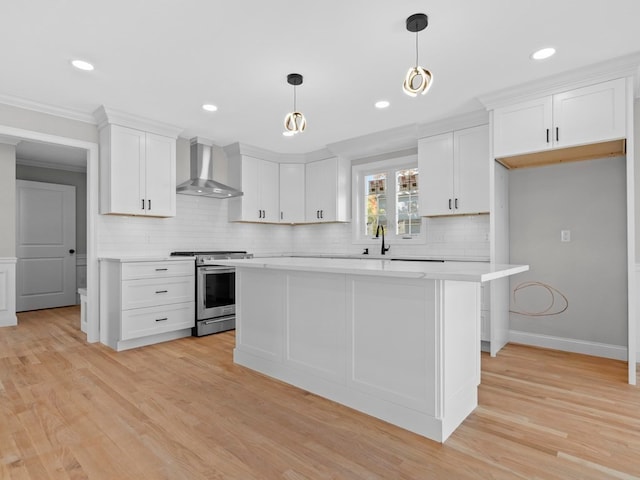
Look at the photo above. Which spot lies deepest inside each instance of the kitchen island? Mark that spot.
(396, 340)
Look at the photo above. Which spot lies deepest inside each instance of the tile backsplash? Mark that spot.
(201, 224)
(462, 236)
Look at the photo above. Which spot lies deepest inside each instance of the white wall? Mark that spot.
(588, 198)
(7, 200)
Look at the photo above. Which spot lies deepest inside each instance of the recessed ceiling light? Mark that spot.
(82, 65)
(382, 104)
(209, 107)
(543, 53)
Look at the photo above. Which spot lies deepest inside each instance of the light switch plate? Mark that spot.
(565, 235)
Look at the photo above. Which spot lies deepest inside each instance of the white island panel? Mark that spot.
(315, 323)
(261, 304)
(391, 339)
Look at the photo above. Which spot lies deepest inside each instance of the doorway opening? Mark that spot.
(51, 233)
(89, 151)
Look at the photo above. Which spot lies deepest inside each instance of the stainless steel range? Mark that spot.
(215, 291)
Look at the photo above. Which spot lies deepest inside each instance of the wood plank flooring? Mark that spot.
(183, 410)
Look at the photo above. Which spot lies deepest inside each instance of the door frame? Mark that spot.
(92, 149)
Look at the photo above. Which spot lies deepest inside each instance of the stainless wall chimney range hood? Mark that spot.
(199, 183)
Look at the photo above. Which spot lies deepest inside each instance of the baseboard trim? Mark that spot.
(596, 349)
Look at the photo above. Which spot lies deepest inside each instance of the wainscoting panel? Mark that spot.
(8, 292)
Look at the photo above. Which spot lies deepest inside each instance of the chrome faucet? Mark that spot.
(383, 249)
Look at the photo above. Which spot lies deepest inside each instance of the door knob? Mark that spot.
(72, 251)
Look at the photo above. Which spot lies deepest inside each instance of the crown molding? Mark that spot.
(47, 109)
(378, 143)
(458, 122)
(105, 116)
(238, 149)
(13, 141)
(626, 66)
(51, 166)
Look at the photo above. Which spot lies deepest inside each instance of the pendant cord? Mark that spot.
(416, 49)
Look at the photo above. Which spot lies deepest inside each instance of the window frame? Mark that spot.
(390, 167)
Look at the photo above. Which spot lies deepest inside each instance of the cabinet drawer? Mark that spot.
(154, 320)
(157, 291)
(157, 269)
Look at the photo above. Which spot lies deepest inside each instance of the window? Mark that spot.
(386, 194)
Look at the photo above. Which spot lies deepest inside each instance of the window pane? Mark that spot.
(375, 202)
(407, 204)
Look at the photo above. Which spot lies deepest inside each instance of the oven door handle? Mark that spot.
(220, 269)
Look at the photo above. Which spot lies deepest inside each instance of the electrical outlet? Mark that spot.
(565, 235)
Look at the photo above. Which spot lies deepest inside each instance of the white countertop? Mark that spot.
(125, 259)
(462, 271)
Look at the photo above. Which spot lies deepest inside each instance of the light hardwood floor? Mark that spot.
(183, 410)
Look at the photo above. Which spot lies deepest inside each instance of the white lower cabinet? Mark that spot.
(145, 301)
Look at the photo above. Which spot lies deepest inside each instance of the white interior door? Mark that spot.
(45, 245)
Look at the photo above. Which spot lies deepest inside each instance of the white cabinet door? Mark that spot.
(471, 170)
(454, 172)
(292, 192)
(160, 176)
(435, 164)
(591, 114)
(269, 191)
(258, 179)
(250, 211)
(522, 128)
(127, 171)
(321, 187)
(138, 171)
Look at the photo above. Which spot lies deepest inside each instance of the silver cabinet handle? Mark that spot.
(162, 291)
(161, 269)
(161, 319)
(149, 204)
(143, 204)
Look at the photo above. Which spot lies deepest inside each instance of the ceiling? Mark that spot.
(163, 59)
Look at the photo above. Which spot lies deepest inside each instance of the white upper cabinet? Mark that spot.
(137, 172)
(454, 172)
(328, 191)
(292, 192)
(259, 181)
(591, 114)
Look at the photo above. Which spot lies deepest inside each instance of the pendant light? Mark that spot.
(416, 23)
(294, 122)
